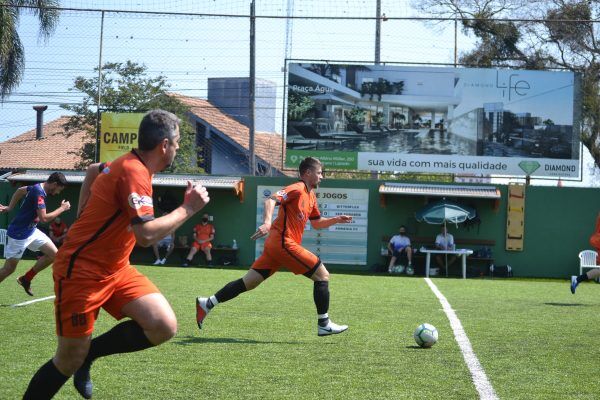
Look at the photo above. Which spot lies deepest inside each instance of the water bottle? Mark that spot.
(234, 246)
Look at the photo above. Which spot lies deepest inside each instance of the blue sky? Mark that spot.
(188, 50)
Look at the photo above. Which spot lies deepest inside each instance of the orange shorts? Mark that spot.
(78, 300)
(202, 246)
(288, 254)
(595, 242)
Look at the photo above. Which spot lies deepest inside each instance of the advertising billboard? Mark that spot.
(118, 134)
(429, 119)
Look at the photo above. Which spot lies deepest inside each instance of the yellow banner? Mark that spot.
(118, 134)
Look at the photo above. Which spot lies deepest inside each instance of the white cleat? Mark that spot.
(202, 310)
(331, 329)
(163, 261)
(157, 262)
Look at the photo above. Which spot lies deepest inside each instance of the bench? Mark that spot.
(221, 255)
(429, 242)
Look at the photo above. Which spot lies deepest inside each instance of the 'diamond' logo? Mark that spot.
(529, 166)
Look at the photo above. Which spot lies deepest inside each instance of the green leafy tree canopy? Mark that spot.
(126, 87)
(12, 54)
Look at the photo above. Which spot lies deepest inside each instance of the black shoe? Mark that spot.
(209, 263)
(26, 284)
(83, 381)
(185, 264)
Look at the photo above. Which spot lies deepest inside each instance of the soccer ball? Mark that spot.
(426, 335)
(398, 269)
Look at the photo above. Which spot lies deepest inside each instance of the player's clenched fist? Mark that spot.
(262, 231)
(344, 219)
(65, 205)
(196, 196)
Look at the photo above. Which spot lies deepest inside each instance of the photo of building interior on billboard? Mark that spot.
(431, 110)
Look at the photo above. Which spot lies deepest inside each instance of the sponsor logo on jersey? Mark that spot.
(136, 201)
(282, 194)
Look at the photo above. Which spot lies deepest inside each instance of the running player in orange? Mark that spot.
(92, 269)
(204, 233)
(592, 273)
(297, 204)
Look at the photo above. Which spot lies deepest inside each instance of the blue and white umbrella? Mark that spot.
(444, 211)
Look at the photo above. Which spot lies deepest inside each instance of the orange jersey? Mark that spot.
(296, 206)
(58, 229)
(100, 241)
(203, 232)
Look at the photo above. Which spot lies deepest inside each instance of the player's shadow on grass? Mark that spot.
(567, 304)
(188, 340)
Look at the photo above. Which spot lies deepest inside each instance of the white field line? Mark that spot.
(33, 301)
(480, 379)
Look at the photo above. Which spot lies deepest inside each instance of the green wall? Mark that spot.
(558, 222)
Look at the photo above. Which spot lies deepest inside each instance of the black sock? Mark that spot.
(230, 291)
(582, 278)
(321, 298)
(126, 337)
(46, 382)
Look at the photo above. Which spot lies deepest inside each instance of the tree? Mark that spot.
(299, 104)
(377, 119)
(12, 54)
(541, 35)
(326, 70)
(355, 115)
(127, 88)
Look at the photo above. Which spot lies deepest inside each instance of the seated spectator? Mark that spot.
(398, 245)
(168, 242)
(444, 241)
(58, 231)
(204, 233)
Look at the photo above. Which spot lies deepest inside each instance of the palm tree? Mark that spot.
(12, 55)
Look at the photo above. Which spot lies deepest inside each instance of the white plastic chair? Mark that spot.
(587, 259)
(3, 240)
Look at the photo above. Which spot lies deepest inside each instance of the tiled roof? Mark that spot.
(174, 180)
(418, 189)
(266, 145)
(57, 152)
(54, 151)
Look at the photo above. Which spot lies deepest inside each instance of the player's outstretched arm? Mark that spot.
(48, 217)
(15, 199)
(194, 200)
(264, 229)
(91, 174)
(323, 222)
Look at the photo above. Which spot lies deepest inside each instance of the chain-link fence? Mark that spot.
(203, 51)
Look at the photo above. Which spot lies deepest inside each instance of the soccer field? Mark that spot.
(533, 339)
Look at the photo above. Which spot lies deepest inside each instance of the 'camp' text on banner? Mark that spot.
(118, 134)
